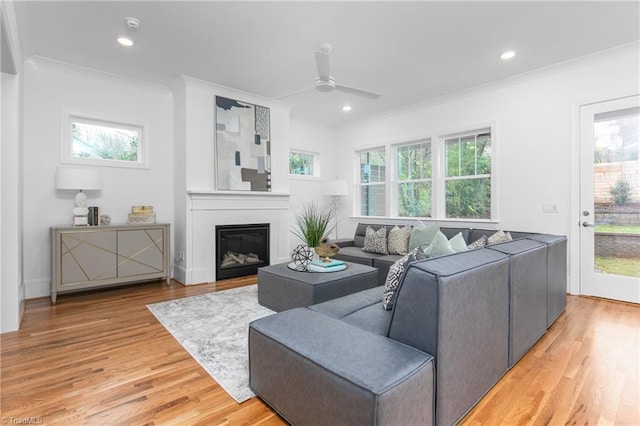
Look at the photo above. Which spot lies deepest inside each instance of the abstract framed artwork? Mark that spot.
(243, 146)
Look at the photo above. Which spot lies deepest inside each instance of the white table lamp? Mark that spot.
(71, 178)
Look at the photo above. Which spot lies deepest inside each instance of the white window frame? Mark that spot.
(438, 157)
(442, 178)
(386, 180)
(396, 182)
(316, 164)
(106, 121)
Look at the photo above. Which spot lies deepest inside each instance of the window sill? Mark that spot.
(305, 178)
(410, 220)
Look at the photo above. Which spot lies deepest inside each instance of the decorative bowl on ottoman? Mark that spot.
(326, 251)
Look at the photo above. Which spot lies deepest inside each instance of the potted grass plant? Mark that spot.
(313, 224)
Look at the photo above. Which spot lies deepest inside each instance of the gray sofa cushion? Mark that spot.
(451, 232)
(361, 229)
(357, 255)
(556, 274)
(527, 293)
(360, 309)
(317, 370)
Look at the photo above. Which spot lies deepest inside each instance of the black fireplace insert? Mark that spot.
(241, 249)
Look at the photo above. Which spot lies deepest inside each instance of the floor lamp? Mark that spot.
(336, 189)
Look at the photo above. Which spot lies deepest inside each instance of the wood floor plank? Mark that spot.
(102, 358)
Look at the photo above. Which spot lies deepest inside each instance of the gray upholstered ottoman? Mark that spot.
(281, 288)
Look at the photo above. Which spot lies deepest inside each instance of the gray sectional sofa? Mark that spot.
(459, 322)
(351, 250)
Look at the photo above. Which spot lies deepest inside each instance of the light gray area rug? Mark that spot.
(214, 329)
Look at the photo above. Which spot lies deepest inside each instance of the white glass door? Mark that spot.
(610, 199)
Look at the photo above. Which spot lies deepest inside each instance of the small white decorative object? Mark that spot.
(105, 219)
(302, 256)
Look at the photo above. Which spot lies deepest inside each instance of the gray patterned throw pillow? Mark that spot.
(375, 241)
(395, 274)
(479, 243)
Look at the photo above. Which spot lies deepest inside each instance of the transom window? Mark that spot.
(414, 180)
(302, 163)
(371, 185)
(94, 141)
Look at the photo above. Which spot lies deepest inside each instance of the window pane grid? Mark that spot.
(372, 182)
(413, 189)
(467, 176)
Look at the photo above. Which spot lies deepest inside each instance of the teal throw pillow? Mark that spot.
(440, 246)
(458, 243)
(422, 234)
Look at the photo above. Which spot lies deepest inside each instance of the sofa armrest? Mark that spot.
(301, 362)
(343, 242)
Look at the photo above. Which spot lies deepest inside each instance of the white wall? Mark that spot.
(12, 288)
(318, 139)
(50, 89)
(12, 292)
(535, 137)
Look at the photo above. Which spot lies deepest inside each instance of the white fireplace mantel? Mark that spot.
(208, 209)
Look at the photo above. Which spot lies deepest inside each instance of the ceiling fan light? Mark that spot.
(125, 41)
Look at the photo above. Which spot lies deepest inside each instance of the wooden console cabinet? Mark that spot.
(101, 256)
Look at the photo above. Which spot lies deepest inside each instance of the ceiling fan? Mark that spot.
(326, 83)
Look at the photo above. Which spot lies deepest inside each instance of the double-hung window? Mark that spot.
(371, 184)
(413, 190)
(467, 177)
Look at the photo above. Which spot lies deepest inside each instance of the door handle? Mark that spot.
(588, 225)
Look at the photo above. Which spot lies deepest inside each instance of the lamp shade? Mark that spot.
(336, 187)
(78, 179)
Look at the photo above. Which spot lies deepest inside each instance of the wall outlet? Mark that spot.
(180, 256)
(550, 208)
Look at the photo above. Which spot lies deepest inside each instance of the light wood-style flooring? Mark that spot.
(102, 358)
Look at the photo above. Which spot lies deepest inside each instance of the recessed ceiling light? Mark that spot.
(125, 41)
(130, 27)
(507, 54)
(346, 108)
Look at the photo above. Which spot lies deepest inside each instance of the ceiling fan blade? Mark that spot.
(322, 64)
(357, 92)
(295, 92)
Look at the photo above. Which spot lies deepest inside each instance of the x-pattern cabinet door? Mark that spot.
(87, 256)
(140, 252)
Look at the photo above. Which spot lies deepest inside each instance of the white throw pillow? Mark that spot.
(499, 237)
(398, 240)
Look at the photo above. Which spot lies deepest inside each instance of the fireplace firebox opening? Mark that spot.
(241, 249)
